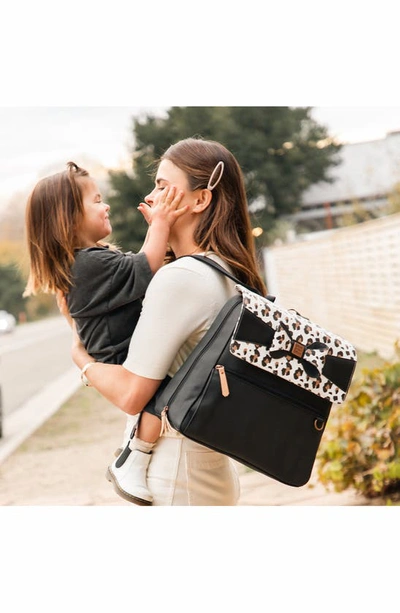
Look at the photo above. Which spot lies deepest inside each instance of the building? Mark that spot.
(363, 186)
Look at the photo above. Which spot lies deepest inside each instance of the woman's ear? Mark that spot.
(202, 201)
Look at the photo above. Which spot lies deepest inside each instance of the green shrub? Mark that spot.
(361, 445)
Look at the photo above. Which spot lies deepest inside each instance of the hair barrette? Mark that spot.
(210, 185)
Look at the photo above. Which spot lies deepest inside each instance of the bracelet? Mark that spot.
(84, 378)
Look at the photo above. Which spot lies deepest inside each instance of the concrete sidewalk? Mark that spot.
(63, 461)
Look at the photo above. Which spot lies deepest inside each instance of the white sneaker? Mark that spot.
(128, 475)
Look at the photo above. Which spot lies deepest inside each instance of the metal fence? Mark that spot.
(347, 280)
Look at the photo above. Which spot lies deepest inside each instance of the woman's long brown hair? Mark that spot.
(53, 212)
(224, 227)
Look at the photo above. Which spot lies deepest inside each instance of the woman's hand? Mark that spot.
(78, 353)
(63, 307)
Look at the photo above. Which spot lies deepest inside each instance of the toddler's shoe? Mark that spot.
(128, 475)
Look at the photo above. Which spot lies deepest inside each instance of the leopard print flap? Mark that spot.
(292, 347)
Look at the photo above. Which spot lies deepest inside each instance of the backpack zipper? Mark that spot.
(204, 349)
(223, 380)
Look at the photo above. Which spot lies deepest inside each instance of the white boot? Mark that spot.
(130, 425)
(128, 475)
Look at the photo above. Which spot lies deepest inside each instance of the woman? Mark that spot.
(181, 302)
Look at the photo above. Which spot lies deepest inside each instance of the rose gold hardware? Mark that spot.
(223, 380)
(319, 424)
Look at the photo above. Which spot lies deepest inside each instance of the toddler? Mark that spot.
(66, 224)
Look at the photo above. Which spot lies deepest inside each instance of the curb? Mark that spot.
(24, 421)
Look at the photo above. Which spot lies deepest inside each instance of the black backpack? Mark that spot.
(260, 385)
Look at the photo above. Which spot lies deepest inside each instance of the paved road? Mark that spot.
(31, 357)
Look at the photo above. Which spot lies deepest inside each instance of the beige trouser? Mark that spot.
(184, 473)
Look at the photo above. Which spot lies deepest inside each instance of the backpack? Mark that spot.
(260, 385)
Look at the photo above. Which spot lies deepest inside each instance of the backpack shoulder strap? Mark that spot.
(216, 266)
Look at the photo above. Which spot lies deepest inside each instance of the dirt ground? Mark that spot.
(64, 462)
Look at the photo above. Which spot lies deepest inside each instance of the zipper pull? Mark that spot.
(223, 380)
(165, 425)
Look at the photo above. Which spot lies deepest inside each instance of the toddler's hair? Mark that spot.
(53, 213)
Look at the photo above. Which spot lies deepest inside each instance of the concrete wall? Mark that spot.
(347, 280)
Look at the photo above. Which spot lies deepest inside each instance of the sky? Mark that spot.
(36, 139)
(40, 140)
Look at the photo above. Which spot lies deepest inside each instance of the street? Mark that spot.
(31, 357)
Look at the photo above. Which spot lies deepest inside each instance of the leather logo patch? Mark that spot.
(298, 349)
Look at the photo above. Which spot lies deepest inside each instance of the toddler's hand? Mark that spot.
(167, 208)
(146, 211)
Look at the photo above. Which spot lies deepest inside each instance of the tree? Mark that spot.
(281, 150)
(129, 227)
(11, 288)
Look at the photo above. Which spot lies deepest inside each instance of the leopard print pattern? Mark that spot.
(303, 331)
